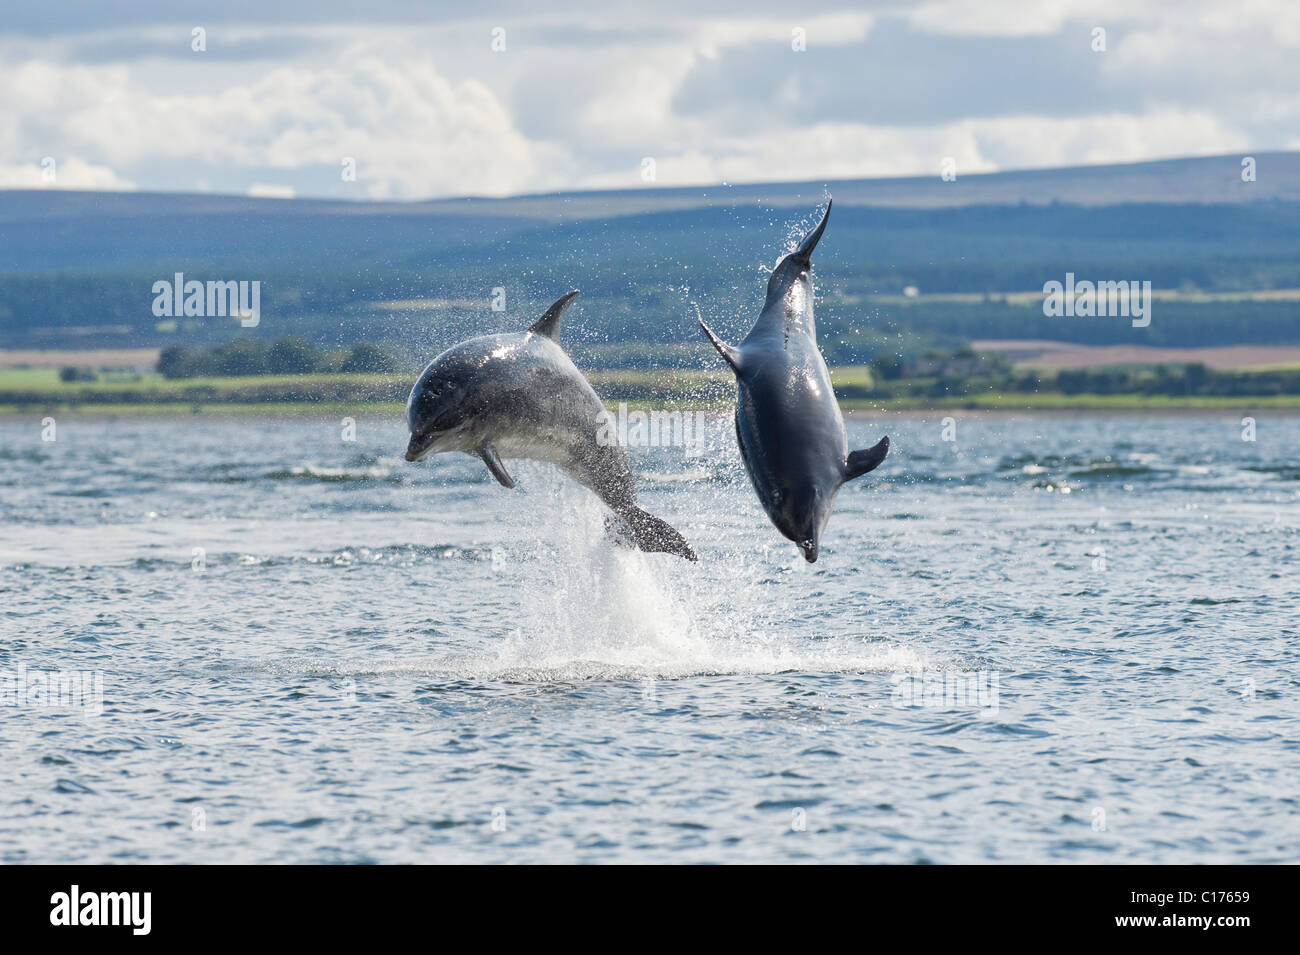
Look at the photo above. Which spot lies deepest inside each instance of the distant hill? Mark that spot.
(1214, 179)
(77, 268)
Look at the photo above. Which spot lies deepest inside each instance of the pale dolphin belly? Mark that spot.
(788, 425)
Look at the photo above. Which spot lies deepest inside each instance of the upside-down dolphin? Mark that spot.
(519, 395)
(788, 424)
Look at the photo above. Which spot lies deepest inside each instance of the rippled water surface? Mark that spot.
(312, 651)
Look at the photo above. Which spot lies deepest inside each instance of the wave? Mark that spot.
(1101, 470)
(312, 472)
(396, 554)
(521, 661)
(1283, 472)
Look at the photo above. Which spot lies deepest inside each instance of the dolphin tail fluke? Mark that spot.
(860, 462)
(810, 241)
(726, 351)
(652, 534)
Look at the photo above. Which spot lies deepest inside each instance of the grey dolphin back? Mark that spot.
(802, 258)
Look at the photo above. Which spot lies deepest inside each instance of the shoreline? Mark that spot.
(1289, 406)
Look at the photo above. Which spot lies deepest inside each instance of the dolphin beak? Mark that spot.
(418, 447)
(809, 548)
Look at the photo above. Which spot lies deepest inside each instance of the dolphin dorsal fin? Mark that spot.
(549, 324)
(805, 250)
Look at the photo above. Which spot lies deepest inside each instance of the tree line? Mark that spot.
(938, 375)
(285, 356)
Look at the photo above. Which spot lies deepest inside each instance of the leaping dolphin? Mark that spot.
(519, 395)
(788, 424)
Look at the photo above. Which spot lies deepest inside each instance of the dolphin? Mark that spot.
(519, 395)
(788, 424)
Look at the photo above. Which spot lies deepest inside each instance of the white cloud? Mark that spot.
(835, 29)
(429, 111)
(1213, 20)
(266, 190)
(1032, 17)
(634, 104)
(823, 151)
(1116, 137)
(852, 151)
(412, 131)
(71, 173)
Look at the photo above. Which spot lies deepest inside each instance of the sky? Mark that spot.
(396, 99)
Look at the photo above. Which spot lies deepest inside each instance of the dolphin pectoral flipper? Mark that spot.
(726, 351)
(489, 456)
(860, 462)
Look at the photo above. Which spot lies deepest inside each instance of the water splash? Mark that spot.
(582, 607)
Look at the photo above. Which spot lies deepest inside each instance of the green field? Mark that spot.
(25, 386)
(1054, 401)
(27, 391)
